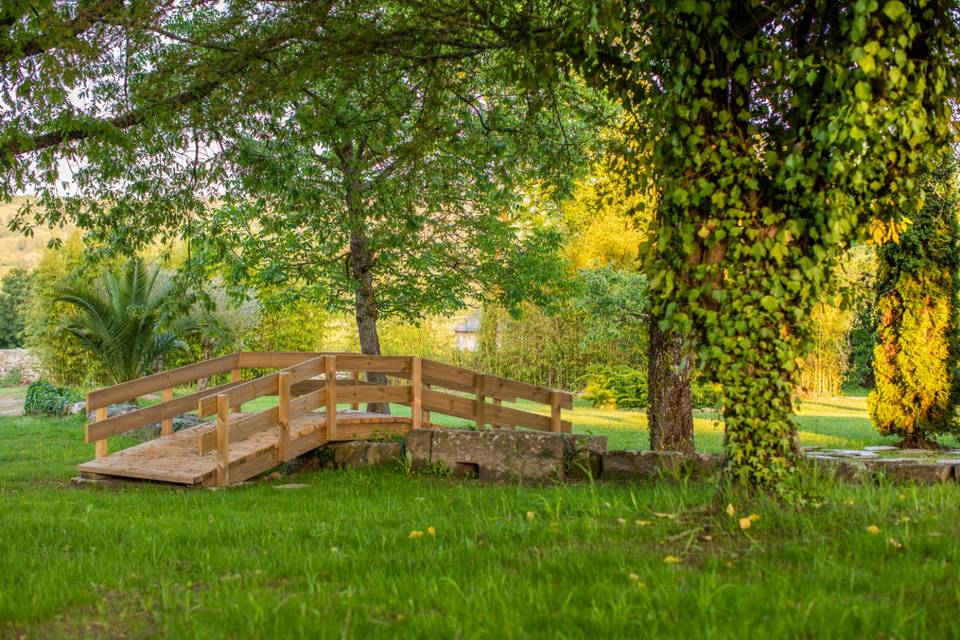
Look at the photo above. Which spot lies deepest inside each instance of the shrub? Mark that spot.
(618, 387)
(626, 388)
(43, 398)
(915, 360)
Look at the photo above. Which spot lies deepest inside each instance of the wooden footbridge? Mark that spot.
(318, 401)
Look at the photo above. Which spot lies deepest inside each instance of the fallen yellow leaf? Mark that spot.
(416, 534)
(731, 511)
(745, 522)
(873, 529)
(531, 515)
(672, 560)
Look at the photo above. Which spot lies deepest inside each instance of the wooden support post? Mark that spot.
(426, 414)
(498, 402)
(283, 414)
(236, 375)
(223, 440)
(330, 373)
(101, 445)
(166, 427)
(555, 425)
(416, 404)
(481, 410)
(355, 406)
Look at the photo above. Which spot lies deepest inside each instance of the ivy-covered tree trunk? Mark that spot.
(916, 358)
(670, 413)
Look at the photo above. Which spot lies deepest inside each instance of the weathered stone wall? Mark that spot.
(21, 360)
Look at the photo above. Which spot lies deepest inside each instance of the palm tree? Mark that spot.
(122, 319)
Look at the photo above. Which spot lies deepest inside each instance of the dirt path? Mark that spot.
(10, 406)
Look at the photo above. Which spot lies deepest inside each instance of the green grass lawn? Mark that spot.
(336, 558)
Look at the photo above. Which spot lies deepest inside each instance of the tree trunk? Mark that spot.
(361, 263)
(204, 382)
(670, 415)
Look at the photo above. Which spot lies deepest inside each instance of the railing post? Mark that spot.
(416, 404)
(330, 373)
(556, 425)
(166, 427)
(480, 414)
(236, 375)
(425, 413)
(283, 414)
(100, 447)
(223, 440)
(355, 406)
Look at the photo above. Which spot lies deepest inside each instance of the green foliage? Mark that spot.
(43, 398)
(62, 357)
(616, 387)
(602, 324)
(14, 292)
(777, 138)
(129, 320)
(917, 356)
(623, 387)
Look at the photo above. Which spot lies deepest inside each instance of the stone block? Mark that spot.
(920, 473)
(628, 466)
(419, 448)
(381, 454)
(350, 455)
(703, 465)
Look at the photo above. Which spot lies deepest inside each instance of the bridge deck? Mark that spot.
(176, 459)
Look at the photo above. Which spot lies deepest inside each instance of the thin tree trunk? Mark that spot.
(670, 415)
(204, 382)
(361, 263)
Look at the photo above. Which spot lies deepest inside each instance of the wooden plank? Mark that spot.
(519, 418)
(101, 447)
(158, 381)
(307, 386)
(283, 416)
(365, 431)
(240, 428)
(148, 415)
(240, 393)
(139, 473)
(375, 393)
(305, 370)
(307, 402)
(166, 427)
(416, 385)
(480, 408)
(449, 404)
(223, 440)
(308, 442)
(510, 390)
(330, 392)
(274, 359)
(395, 365)
(254, 466)
(438, 374)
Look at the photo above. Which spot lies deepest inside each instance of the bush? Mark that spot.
(618, 387)
(46, 399)
(626, 388)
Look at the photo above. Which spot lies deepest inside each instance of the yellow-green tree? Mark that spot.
(915, 360)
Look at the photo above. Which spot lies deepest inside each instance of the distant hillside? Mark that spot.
(17, 250)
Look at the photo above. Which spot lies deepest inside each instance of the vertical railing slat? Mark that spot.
(100, 447)
(330, 373)
(481, 405)
(555, 424)
(416, 404)
(166, 427)
(283, 414)
(223, 440)
(236, 375)
(355, 406)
